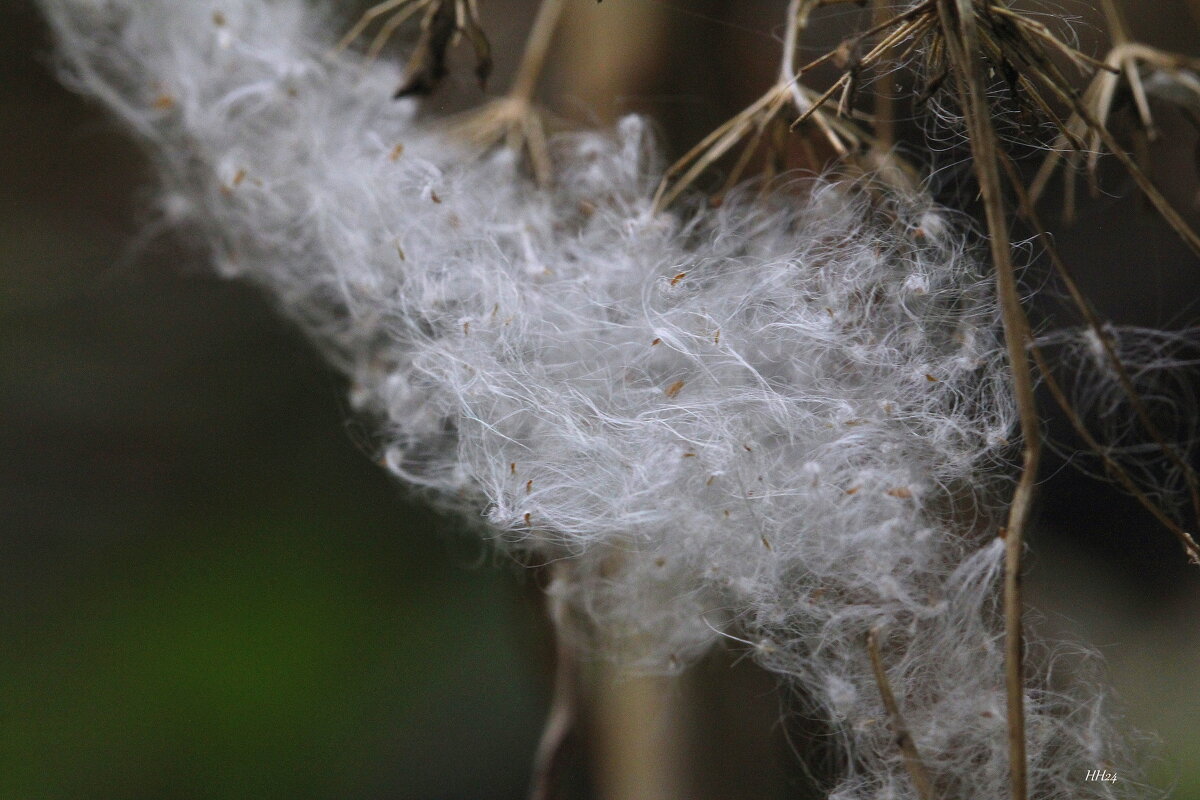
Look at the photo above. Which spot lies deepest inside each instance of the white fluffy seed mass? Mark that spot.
(780, 420)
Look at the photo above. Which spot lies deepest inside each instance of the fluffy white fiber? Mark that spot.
(774, 421)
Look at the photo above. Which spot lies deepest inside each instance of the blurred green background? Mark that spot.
(207, 590)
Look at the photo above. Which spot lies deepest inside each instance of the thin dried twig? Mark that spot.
(1019, 49)
(514, 120)
(1048, 78)
(1118, 30)
(1114, 468)
(1098, 328)
(885, 103)
(960, 31)
(564, 701)
(753, 121)
(444, 22)
(908, 746)
(1090, 113)
(1012, 43)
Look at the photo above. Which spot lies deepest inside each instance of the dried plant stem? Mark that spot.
(885, 104)
(908, 28)
(537, 47)
(1096, 325)
(754, 120)
(1118, 31)
(443, 23)
(1160, 202)
(372, 14)
(912, 757)
(1115, 469)
(637, 730)
(797, 19)
(564, 700)
(716, 144)
(513, 119)
(1090, 113)
(797, 22)
(919, 14)
(962, 39)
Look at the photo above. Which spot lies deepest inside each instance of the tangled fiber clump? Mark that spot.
(774, 420)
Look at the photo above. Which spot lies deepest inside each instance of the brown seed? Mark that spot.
(674, 389)
(900, 492)
(678, 278)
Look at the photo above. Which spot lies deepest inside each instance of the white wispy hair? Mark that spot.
(781, 420)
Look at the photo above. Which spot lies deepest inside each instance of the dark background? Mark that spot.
(207, 590)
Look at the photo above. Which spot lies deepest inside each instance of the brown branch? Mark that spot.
(1053, 83)
(564, 701)
(885, 104)
(908, 746)
(1115, 469)
(962, 42)
(537, 47)
(513, 120)
(1096, 325)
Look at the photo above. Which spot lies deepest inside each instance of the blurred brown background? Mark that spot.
(207, 590)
